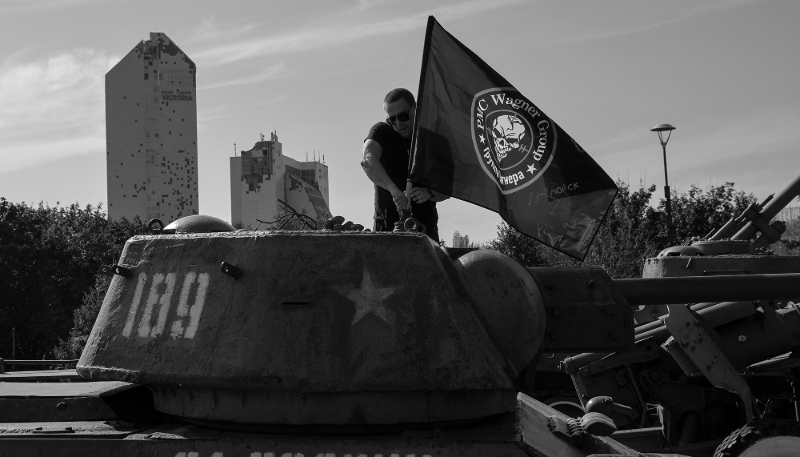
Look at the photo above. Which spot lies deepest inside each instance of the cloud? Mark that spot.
(36, 5)
(364, 4)
(341, 32)
(45, 150)
(209, 31)
(682, 14)
(267, 73)
(744, 151)
(207, 116)
(761, 132)
(53, 106)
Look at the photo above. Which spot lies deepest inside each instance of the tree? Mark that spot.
(49, 258)
(83, 320)
(519, 247)
(698, 213)
(629, 231)
(633, 230)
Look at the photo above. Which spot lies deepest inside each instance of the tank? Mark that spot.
(213, 341)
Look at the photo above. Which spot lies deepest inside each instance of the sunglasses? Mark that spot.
(402, 117)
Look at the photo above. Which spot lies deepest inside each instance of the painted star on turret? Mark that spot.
(368, 298)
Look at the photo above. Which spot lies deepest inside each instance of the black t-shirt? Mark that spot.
(394, 159)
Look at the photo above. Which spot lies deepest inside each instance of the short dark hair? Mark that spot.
(399, 94)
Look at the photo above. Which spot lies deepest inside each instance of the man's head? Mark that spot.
(399, 106)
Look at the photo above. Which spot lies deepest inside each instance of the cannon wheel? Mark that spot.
(767, 438)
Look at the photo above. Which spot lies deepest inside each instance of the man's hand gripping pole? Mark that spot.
(410, 224)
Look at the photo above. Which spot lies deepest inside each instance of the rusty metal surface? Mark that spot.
(695, 289)
(67, 429)
(42, 375)
(508, 301)
(585, 312)
(724, 247)
(705, 266)
(698, 343)
(342, 316)
(70, 401)
(198, 224)
(520, 433)
(715, 315)
(741, 333)
(365, 407)
(749, 332)
(535, 432)
(783, 362)
(254, 448)
(760, 336)
(62, 389)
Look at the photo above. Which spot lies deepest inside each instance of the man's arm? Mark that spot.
(371, 164)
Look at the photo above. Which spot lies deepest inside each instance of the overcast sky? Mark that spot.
(725, 73)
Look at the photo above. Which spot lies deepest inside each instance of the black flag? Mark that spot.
(479, 140)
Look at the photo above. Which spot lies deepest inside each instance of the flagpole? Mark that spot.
(425, 53)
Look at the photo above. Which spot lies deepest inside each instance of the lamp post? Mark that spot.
(660, 129)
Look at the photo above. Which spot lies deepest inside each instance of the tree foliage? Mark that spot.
(633, 230)
(49, 259)
(83, 320)
(519, 247)
(696, 213)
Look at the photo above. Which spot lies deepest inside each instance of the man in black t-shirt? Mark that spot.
(385, 161)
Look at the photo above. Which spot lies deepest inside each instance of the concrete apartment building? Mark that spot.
(263, 175)
(460, 241)
(151, 133)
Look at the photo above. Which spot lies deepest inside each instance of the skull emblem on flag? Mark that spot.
(507, 131)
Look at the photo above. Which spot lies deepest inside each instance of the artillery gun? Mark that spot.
(218, 342)
(702, 366)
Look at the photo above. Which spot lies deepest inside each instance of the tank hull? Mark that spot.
(124, 432)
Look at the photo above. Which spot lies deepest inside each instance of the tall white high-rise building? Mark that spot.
(263, 175)
(151, 133)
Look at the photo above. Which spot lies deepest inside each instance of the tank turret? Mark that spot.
(315, 328)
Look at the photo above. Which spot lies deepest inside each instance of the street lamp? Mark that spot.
(661, 128)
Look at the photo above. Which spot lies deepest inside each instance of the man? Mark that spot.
(385, 161)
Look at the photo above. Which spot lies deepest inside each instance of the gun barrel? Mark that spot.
(696, 289)
(770, 210)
